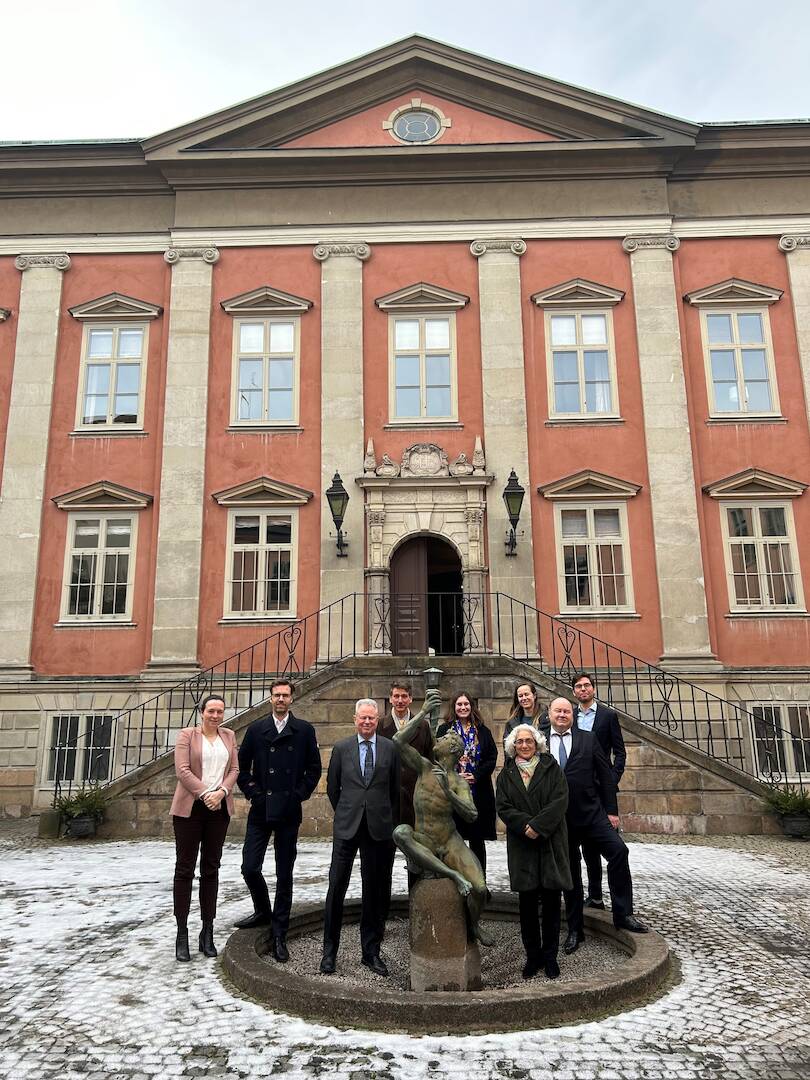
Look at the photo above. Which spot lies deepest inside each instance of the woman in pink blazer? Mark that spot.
(206, 765)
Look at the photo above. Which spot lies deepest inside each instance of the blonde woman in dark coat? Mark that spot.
(532, 797)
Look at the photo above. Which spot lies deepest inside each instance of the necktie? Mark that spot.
(563, 754)
(368, 764)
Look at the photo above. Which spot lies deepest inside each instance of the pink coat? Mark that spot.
(188, 767)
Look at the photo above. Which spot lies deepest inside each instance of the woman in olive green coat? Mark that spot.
(532, 797)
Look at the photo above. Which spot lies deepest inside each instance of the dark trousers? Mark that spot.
(205, 829)
(606, 841)
(285, 846)
(375, 874)
(546, 947)
(593, 864)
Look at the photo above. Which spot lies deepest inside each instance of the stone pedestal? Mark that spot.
(441, 956)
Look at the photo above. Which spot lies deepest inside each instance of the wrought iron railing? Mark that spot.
(443, 624)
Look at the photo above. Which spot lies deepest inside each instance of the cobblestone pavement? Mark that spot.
(91, 990)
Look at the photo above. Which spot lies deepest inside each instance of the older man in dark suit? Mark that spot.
(592, 816)
(363, 787)
(603, 722)
(279, 768)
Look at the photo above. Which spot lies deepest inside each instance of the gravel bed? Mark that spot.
(501, 964)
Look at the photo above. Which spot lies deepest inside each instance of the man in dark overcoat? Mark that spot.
(279, 768)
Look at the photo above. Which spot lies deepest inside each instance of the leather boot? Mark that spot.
(181, 945)
(207, 947)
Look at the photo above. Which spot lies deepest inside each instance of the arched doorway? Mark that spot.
(426, 612)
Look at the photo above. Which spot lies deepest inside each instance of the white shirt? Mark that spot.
(555, 744)
(214, 763)
(400, 724)
(280, 721)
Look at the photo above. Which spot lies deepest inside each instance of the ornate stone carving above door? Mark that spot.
(424, 459)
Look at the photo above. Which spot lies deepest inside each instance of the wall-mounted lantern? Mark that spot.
(513, 497)
(338, 498)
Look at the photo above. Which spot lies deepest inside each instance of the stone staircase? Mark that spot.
(668, 786)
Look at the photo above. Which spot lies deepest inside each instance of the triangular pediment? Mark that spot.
(266, 301)
(588, 484)
(755, 483)
(103, 495)
(576, 293)
(262, 492)
(421, 296)
(418, 66)
(115, 306)
(734, 291)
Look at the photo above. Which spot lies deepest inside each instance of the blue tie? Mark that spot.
(368, 763)
(563, 754)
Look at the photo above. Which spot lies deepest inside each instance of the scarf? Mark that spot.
(527, 768)
(472, 748)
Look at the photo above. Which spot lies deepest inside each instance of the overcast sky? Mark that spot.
(132, 68)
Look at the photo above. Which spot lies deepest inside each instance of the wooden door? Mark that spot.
(409, 579)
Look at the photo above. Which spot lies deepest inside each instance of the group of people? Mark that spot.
(556, 795)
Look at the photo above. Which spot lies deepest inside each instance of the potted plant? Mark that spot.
(82, 811)
(793, 808)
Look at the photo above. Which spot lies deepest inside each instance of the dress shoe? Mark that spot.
(280, 950)
(573, 942)
(181, 946)
(328, 964)
(531, 967)
(591, 903)
(207, 946)
(631, 923)
(376, 964)
(551, 968)
(250, 922)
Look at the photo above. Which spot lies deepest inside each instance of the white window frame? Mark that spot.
(757, 504)
(266, 356)
(83, 722)
(786, 757)
(422, 352)
(580, 349)
(114, 361)
(263, 513)
(95, 616)
(736, 347)
(592, 542)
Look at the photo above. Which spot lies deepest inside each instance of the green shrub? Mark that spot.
(786, 801)
(88, 801)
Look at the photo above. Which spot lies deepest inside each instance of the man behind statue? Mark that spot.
(433, 842)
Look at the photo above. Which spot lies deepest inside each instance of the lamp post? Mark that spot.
(513, 497)
(432, 677)
(338, 498)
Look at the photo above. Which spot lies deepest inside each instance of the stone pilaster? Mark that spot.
(506, 442)
(797, 250)
(342, 443)
(29, 422)
(182, 477)
(681, 587)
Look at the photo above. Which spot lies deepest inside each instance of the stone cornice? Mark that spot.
(790, 243)
(484, 247)
(55, 262)
(635, 243)
(359, 251)
(208, 254)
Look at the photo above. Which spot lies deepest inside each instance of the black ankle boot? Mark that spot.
(181, 945)
(207, 947)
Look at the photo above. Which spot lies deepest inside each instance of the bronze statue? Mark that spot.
(433, 844)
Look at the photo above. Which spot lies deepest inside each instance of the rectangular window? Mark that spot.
(593, 558)
(266, 372)
(739, 361)
(99, 568)
(111, 378)
(761, 557)
(781, 739)
(80, 748)
(581, 364)
(423, 368)
(261, 580)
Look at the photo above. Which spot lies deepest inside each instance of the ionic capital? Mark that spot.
(657, 240)
(31, 262)
(484, 247)
(209, 254)
(796, 240)
(357, 251)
